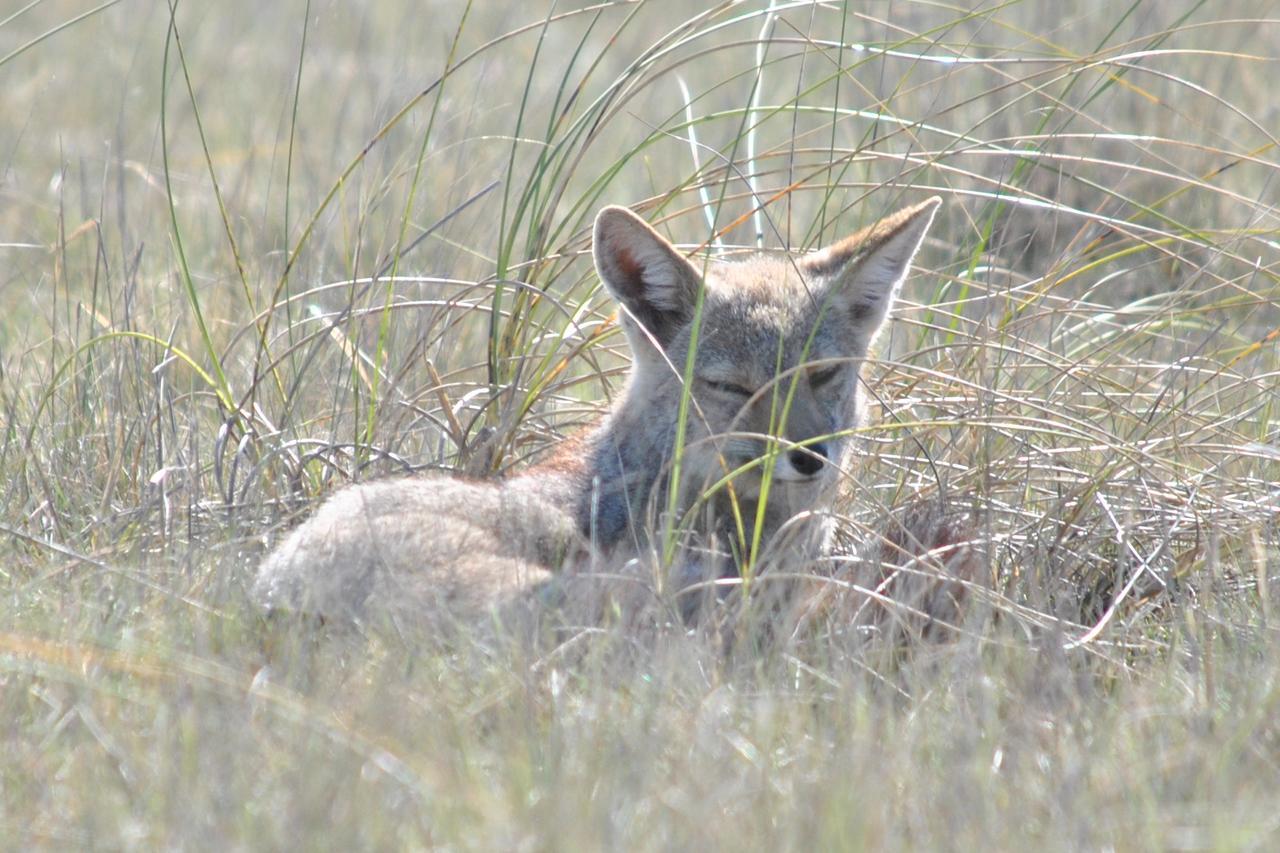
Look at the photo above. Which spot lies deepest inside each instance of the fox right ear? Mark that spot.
(862, 273)
(654, 283)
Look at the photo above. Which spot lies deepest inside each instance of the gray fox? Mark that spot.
(720, 459)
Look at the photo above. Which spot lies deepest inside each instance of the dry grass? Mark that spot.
(272, 247)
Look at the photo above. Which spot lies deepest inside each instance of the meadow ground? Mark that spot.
(250, 251)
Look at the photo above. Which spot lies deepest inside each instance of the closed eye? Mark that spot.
(818, 378)
(731, 388)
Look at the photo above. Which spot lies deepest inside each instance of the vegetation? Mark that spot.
(251, 251)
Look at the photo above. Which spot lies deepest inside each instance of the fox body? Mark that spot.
(721, 455)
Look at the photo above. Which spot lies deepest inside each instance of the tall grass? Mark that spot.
(251, 251)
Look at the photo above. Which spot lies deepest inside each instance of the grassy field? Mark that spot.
(251, 251)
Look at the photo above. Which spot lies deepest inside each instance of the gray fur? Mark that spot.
(421, 543)
(779, 351)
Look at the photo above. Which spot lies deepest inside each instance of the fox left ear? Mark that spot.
(650, 278)
(861, 274)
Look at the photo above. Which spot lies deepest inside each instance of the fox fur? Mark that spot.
(762, 355)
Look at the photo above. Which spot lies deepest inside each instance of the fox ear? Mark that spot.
(646, 274)
(861, 274)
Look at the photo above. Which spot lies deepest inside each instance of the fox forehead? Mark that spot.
(764, 277)
(755, 305)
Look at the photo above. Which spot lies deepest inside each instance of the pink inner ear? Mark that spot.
(629, 269)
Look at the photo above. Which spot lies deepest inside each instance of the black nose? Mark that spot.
(808, 460)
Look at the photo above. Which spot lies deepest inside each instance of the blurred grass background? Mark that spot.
(251, 251)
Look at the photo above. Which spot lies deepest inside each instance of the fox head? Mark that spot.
(777, 345)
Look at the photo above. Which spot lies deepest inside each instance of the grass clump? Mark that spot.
(251, 252)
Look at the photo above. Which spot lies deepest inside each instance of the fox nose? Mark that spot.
(808, 460)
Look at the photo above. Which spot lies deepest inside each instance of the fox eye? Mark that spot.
(818, 378)
(728, 388)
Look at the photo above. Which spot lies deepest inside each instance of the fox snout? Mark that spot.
(791, 462)
(809, 463)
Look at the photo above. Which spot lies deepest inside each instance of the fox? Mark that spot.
(720, 460)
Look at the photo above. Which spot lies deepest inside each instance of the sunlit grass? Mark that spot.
(250, 252)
